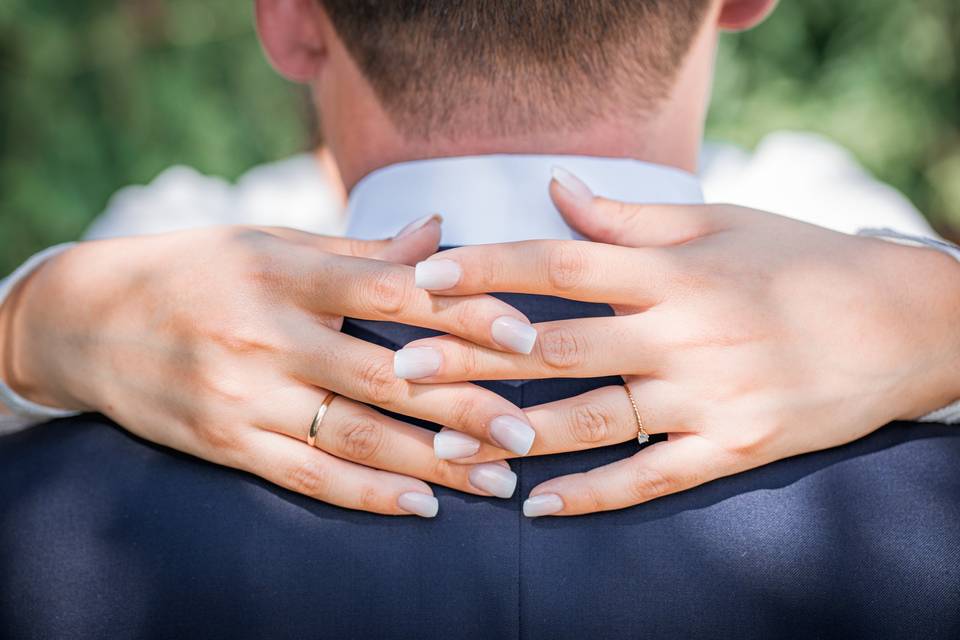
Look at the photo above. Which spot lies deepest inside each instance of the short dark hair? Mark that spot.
(503, 66)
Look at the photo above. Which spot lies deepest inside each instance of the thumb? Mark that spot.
(625, 224)
(414, 243)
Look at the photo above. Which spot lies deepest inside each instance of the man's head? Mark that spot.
(443, 77)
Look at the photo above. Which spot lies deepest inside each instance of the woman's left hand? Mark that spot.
(744, 336)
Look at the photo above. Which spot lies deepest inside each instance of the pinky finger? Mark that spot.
(682, 462)
(299, 467)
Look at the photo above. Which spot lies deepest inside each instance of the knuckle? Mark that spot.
(561, 348)
(221, 392)
(490, 272)
(566, 266)
(310, 478)
(218, 435)
(647, 483)
(589, 424)
(627, 214)
(231, 448)
(369, 498)
(358, 247)
(621, 209)
(465, 314)
(360, 438)
(257, 242)
(594, 498)
(264, 264)
(216, 409)
(199, 420)
(748, 443)
(461, 413)
(378, 385)
(389, 291)
(245, 234)
(469, 360)
(445, 473)
(240, 338)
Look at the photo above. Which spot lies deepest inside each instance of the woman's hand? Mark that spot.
(223, 343)
(744, 336)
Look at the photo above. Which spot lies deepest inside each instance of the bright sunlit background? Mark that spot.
(98, 94)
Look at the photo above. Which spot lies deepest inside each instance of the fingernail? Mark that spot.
(452, 445)
(513, 334)
(416, 362)
(418, 224)
(494, 479)
(437, 274)
(512, 434)
(579, 191)
(543, 505)
(419, 504)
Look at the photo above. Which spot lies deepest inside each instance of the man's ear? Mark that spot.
(292, 36)
(738, 15)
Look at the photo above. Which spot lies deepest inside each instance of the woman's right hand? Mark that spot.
(224, 342)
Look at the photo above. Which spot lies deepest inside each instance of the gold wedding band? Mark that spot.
(642, 436)
(317, 419)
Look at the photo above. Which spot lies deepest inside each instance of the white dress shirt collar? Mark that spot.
(501, 198)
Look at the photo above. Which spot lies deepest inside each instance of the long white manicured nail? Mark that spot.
(513, 334)
(494, 479)
(437, 275)
(416, 362)
(419, 504)
(418, 224)
(579, 191)
(543, 505)
(512, 434)
(452, 445)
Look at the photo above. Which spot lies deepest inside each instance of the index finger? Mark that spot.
(370, 289)
(573, 269)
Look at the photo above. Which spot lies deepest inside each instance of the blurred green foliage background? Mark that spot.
(98, 94)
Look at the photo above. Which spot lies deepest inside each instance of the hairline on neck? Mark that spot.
(363, 137)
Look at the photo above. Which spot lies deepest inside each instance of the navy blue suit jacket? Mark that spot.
(103, 535)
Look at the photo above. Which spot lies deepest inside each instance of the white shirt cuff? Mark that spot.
(951, 413)
(25, 412)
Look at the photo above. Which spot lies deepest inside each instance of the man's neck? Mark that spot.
(669, 138)
(364, 138)
(676, 147)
